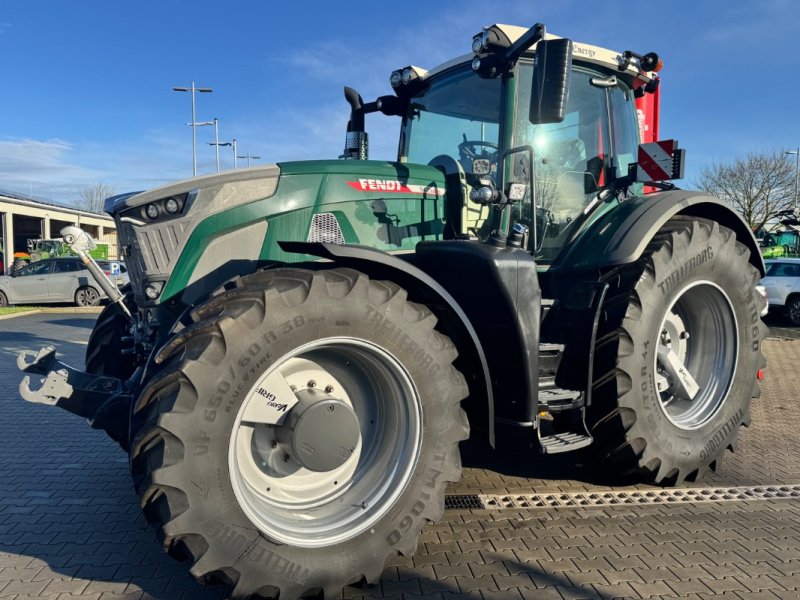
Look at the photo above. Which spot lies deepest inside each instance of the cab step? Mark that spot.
(558, 400)
(564, 442)
(563, 431)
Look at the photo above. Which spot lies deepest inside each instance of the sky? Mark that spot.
(86, 85)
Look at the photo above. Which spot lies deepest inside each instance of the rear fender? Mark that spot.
(381, 265)
(621, 235)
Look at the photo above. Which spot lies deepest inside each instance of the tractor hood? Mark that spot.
(210, 228)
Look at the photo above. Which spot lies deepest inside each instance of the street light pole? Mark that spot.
(232, 143)
(796, 172)
(216, 143)
(248, 156)
(193, 89)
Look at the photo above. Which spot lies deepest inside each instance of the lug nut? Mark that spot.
(285, 458)
(328, 389)
(312, 383)
(684, 335)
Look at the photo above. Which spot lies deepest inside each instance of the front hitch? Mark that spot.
(104, 401)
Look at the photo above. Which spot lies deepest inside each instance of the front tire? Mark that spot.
(104, 350)
(238, 497)
(678, 353)
(3, 300)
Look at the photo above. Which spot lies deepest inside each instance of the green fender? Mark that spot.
(620, 235)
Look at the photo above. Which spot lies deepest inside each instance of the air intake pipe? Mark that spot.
(356, 145)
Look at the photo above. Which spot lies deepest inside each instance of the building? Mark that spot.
(23, 218)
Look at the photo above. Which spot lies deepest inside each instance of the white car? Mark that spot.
(51, 280)
(782, 283)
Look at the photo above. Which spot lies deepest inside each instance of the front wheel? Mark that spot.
(300, 432)
(87, 296)
(678, 353)
(3, 300)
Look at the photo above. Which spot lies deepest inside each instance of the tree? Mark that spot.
(93, 197)
(758, 185)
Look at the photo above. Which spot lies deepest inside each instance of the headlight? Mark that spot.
(477, 44)
(151, 211)
(172, 206)
(480, 42)
(152, 292)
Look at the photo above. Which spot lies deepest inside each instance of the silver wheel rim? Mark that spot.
(794, 312)
(293, 505)
(87, 297)
(698, 333)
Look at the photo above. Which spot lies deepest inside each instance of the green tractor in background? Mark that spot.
(56, 248)
(781, 243)
(304, 345)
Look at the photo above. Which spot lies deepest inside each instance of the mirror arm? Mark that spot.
(528, 39)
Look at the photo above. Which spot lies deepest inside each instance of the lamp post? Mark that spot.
(796, 173)
(215, 143)
(232, 143)
(248, 156)
(193, 89)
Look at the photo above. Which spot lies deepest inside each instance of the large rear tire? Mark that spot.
(238, 497)
(677, 355)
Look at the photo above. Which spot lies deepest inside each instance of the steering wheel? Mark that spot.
(468, 150)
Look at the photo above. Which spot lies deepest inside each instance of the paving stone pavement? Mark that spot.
(70, 526)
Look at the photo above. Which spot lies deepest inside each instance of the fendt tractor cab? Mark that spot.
(304, 345)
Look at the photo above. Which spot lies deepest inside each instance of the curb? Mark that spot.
(65, 310)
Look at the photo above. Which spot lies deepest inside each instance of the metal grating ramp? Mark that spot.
(462, 502)
(635, 497)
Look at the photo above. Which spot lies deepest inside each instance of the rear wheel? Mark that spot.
(678, 352)
(87, 296)
(299, 432)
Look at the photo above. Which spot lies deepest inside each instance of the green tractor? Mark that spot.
(304, 345)
(55, 248)
(781, 243)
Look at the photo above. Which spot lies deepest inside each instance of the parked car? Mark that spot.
(51, 280)
(782, 282)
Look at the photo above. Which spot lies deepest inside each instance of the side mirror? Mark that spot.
(551, 79)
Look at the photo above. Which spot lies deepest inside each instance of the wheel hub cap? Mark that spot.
(320, 433)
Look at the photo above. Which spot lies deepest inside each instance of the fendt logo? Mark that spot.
(393, 186)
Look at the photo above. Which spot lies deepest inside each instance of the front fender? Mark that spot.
(377, 263)
(621, 235)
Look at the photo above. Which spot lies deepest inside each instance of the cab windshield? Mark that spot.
(457, 115)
